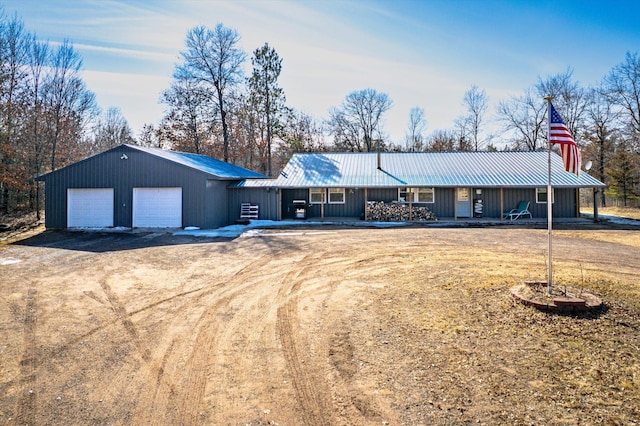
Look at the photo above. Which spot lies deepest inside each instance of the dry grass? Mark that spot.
(628, 212)
(475, 355)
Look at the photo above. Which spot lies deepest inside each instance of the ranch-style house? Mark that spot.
(131, 186)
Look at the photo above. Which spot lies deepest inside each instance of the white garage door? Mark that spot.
(157, 207)
(89, 208)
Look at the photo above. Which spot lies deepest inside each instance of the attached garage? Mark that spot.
(157, 207)
(133, 186)
(89, 207)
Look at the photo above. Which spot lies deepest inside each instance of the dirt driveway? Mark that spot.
(323, 326)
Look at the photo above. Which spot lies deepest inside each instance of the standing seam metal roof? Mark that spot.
(203, 163)
(430, 169)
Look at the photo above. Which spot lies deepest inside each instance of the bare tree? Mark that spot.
(35, 140)
(150, 137)
(601, 117)
(13, 56)
(301, 133)
(357, 124)
(570, 99)
(415, 131)
(524, 117)
(69, 103)
(112, 130)
(44, 107)
(622, 86)
(476, 101)
(214, 58)
(187, 124)
(442, 141)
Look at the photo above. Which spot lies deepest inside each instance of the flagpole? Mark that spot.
(549, 198)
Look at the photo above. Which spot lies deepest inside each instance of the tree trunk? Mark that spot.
(225, 131)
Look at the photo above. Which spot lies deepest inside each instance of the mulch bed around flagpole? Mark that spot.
(563, 299)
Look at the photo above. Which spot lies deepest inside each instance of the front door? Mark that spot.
(463, 202)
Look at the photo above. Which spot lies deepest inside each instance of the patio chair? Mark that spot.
(518, 212)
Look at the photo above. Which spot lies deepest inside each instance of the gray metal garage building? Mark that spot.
(131, 186)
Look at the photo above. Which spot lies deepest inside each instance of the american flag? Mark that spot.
(559, 133)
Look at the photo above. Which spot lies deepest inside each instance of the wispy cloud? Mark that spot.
(420, 53)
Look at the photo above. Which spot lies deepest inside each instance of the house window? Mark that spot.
(316, 195)
(416, 195)
(426, 195)
(541, 196)
(336, 195)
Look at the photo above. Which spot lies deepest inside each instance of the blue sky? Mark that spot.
(421, 53)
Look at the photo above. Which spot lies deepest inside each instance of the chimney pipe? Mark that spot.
(379, 163)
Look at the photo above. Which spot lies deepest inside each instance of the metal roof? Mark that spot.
(203, 163)
(198, 162)
(430, 169)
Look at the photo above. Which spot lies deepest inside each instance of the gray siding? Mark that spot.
(564, 204)
(266, 198)
(444, 205)
(204, 200)
(386, 195)
(216, 201)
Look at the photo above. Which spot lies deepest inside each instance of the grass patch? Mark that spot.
(628, 212)
(476, 355)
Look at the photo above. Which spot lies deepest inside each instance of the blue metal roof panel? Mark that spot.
(432, 169)
(203, 163)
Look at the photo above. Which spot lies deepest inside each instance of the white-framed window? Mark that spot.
(336, 195)
(317, 195)
(426, 195)
(541, 195)
(416, 195)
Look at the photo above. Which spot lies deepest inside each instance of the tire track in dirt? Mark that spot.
(125, 319)
(248, 346)
(26, 405)
(204, 349)
(311, 390)
(179, 396)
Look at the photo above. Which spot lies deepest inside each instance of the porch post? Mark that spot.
(455, 204)
(410, 195)
(279, 207)
(366, 203)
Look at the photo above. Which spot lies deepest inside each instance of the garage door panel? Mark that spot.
(157, 207)
(89, 207)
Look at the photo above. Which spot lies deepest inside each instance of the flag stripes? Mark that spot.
(560, 134)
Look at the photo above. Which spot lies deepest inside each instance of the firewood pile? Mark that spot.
(380, 211)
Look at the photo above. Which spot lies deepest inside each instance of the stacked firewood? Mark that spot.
(380, 211)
